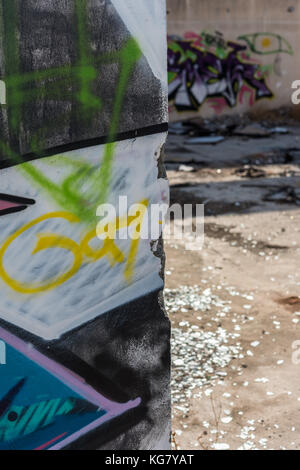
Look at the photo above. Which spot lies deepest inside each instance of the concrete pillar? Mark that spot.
(83, 119)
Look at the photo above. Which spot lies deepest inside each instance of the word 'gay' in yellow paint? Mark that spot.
(82, 252)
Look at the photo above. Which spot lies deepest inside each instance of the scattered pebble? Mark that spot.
(226, 419)
(262, 380)
(198, 356)
(220, 446)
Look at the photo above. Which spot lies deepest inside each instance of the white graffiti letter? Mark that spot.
(296, 94)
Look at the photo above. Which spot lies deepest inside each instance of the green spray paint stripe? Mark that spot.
(128, 58)
(81, 18)
(122, 56)
(73, 204)
(85, 97)
(68, 195)
(74, 74)
(251, 39)
(62, 72)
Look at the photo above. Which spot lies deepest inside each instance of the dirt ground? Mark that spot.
(249, 269)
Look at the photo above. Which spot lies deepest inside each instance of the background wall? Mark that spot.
(228, 56)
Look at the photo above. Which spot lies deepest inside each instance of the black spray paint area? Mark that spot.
(72, 73)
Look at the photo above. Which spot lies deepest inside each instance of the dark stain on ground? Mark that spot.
(292, 304)
(225, 233)
(182, 197)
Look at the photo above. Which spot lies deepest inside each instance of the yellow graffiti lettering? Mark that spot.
(109, 248)
(44, 242)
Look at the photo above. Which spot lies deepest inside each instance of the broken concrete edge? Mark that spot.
(157, 248)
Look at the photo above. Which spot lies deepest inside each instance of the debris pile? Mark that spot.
(190, 141)
(198, 356)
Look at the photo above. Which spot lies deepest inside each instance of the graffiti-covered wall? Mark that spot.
(83, 117)
(228, 56)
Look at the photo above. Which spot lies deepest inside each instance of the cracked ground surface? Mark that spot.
(235, 308)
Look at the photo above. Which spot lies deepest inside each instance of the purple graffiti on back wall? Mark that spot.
(195, 75)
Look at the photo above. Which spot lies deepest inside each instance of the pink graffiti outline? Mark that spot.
(218, 104)
(197, 40)
(245, 89)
